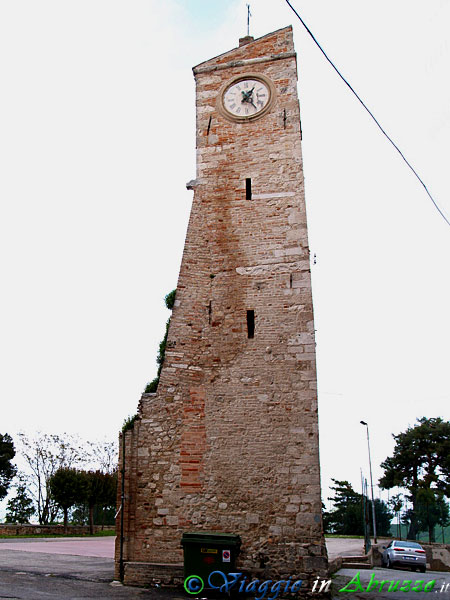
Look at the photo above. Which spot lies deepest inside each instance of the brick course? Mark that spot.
(230, 440)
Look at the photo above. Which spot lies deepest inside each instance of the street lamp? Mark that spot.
(371, 485)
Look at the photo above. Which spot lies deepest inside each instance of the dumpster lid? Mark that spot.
(211, 537)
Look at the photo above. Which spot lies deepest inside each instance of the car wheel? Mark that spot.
(388, 563)
(422, 569)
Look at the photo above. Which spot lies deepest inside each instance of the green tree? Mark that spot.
(383, 518)
(347, 514)
(396, 503)
(106, 508)
(79, 515)
(102, 508)
(443, 516)
(431, 510)
(7, 469)
(68, 486)
(420, 461)
(101, 491)
(20, 508)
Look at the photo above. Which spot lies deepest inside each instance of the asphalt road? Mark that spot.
(43, 569)
(101, 547)
(31, 573)
(362, 578)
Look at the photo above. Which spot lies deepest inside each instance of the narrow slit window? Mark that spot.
(250, 324)
(248, 189)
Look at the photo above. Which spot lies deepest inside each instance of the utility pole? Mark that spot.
(371, 485)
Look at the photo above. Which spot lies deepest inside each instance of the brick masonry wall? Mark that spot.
(230, 441)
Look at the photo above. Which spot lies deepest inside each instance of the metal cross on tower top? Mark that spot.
(249, 14)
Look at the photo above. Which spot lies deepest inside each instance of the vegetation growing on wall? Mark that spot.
(129, 423)
(151, 387)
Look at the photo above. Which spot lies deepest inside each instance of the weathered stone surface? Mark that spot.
(230, 440)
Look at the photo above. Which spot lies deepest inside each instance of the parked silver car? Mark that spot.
(404, 554)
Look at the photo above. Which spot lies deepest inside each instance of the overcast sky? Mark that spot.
(97, 141)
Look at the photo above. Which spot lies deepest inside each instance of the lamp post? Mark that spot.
(371, 485)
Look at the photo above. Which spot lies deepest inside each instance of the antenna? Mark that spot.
(249, 14)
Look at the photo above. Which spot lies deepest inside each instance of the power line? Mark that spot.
(370, 112)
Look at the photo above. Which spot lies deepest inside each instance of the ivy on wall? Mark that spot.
(151, 387)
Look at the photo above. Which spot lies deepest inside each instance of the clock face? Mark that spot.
(246, 97)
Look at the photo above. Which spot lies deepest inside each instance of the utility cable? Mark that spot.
(369, 111)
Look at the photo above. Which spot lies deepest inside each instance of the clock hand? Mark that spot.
(249, 97)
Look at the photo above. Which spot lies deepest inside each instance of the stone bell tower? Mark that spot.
(229, 443)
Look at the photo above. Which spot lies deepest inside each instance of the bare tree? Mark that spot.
(44, 454)
(103, 456)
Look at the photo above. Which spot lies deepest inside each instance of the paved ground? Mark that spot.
(101, 547)
(75, 568)
(362, 579)
(348, 546)
(25, 574)
(104, 547)
(344, 547)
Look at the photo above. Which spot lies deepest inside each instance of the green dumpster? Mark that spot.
(207, 552)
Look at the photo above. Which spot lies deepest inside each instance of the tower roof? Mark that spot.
(276, 44)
